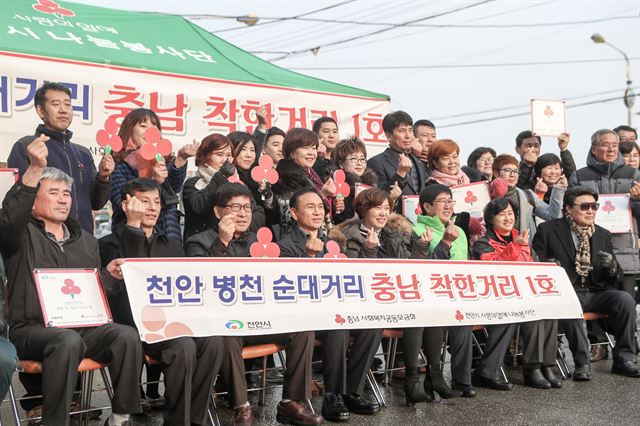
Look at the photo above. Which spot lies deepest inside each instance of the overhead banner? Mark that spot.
(222, 296)
(114, 61)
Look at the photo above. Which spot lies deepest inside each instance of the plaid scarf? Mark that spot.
(583, 251)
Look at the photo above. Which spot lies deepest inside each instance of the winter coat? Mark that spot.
(396, 240)
(88, 191)
(614, 178)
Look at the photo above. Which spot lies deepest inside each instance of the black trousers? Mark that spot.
(539, 340)
(344, 367)
(427, 338)
(461, 347)
(61, 349)
(621, 322)
(297, 376)
(190, 365)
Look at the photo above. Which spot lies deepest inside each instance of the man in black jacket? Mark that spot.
(37, 232)
(343, 376)
(528, 148)
(396, 165)
(585, 251)
(90, 190)
(232, 207)
(190, 364)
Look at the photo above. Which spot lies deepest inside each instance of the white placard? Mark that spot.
(256, 296)
(71, 298)
(614, 213)
(8, 178)
(471, 198)
(548, 117)
(411, 207)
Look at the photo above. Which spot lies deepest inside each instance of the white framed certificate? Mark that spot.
(614, 213)
(359, 187)
(411, 207)
(71, 298)
(471, 198)
(8, 178)
(548, 117)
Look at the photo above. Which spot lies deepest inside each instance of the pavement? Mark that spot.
(606, 400)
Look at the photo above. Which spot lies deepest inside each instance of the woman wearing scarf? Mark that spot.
(214, 161)
(168, 173)
(300, 151)
(444, 162)
(503, 242)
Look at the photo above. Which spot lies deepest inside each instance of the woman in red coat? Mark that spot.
(503, 242)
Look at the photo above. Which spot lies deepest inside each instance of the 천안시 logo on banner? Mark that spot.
(234, 325)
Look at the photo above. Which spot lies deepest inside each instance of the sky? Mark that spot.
(461, 64)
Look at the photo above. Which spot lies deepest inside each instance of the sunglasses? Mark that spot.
(586, 206)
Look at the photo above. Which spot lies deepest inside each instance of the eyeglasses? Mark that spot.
(511, 172)
(485, 160)
(448, 202)
(586, 206)
(608, 146)
(237, 207)
(361, 160)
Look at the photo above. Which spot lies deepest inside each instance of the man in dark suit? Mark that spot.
(586, 253)
(396, 165)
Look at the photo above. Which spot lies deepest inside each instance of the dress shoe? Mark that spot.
(467, 390)
(244, 416)
(599, 352)
(296, 413)
(549, 374)
(534, 378)
(626, 368)
(333, 408)
(582, 373)
(495, 384)
(358, 405)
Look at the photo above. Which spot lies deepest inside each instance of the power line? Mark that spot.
(416, 25)
(521, 106)
(502, 117)
(289, 18)
(422, 31)
(490, 65)
(369, 34)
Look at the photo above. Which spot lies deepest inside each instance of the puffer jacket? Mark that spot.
(494, 247)
(397, 241)
(614, 178)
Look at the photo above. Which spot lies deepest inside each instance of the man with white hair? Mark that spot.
(37, 232)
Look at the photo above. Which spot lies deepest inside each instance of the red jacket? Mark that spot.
(493, 247)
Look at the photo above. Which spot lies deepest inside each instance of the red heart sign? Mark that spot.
(154, 146)
(264, 171)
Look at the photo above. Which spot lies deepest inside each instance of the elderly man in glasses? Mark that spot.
(606, 173)
(585, 251)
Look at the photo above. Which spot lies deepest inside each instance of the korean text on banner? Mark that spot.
(249, 296)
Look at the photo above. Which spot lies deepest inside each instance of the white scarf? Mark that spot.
(205, 174)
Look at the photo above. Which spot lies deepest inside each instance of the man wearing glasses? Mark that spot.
(585, 251)
(606, 173)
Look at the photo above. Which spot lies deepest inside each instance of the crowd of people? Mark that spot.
(542, 208)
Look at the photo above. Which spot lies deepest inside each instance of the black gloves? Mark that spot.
(227, 169)
(608, 262)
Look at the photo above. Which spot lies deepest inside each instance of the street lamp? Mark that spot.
(629, 98)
